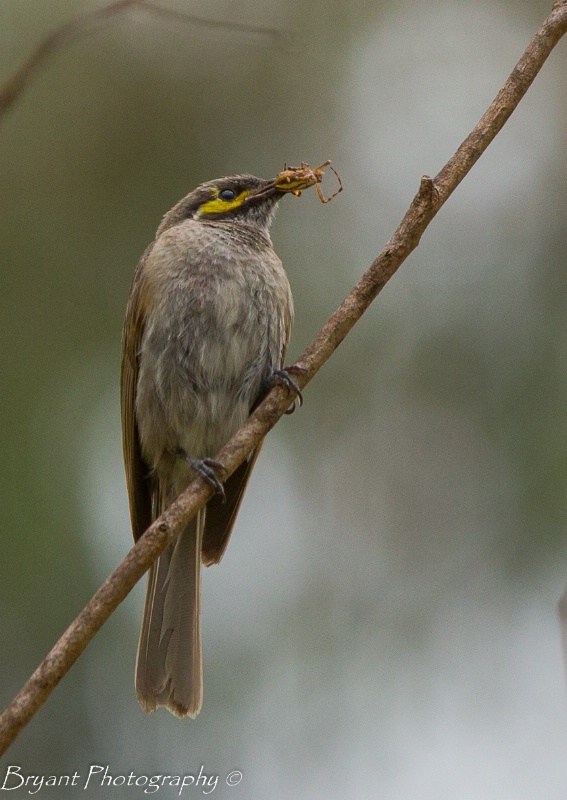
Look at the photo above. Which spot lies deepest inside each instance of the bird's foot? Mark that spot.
(283, 377)
(207, 468)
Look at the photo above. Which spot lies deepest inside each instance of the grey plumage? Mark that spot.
(207, 324)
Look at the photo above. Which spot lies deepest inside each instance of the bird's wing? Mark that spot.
(221, 516)
(137, 477)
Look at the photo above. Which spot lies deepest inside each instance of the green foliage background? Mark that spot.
(383, 624)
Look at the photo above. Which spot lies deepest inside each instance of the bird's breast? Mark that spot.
(216, 329)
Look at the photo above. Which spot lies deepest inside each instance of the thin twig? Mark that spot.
(86, 23)
(429, 199)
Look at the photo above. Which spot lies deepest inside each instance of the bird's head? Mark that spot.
(241, 198)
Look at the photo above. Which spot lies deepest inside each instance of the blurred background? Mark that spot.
(384, 622)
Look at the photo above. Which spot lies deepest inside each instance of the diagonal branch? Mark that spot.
(86, 23)
(431, 196)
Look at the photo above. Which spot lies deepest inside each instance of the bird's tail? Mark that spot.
(169, 668)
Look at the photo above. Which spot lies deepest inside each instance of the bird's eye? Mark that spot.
(227, 194)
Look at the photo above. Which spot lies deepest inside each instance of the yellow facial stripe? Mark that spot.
(220, 206)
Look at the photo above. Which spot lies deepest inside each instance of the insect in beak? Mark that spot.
(296, 179)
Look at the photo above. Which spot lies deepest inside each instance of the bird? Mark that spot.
(207, 325)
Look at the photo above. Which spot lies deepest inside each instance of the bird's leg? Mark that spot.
(207, 469)
(283, 377)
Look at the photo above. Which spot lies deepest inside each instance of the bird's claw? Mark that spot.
(207, 469)
(282, 377)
